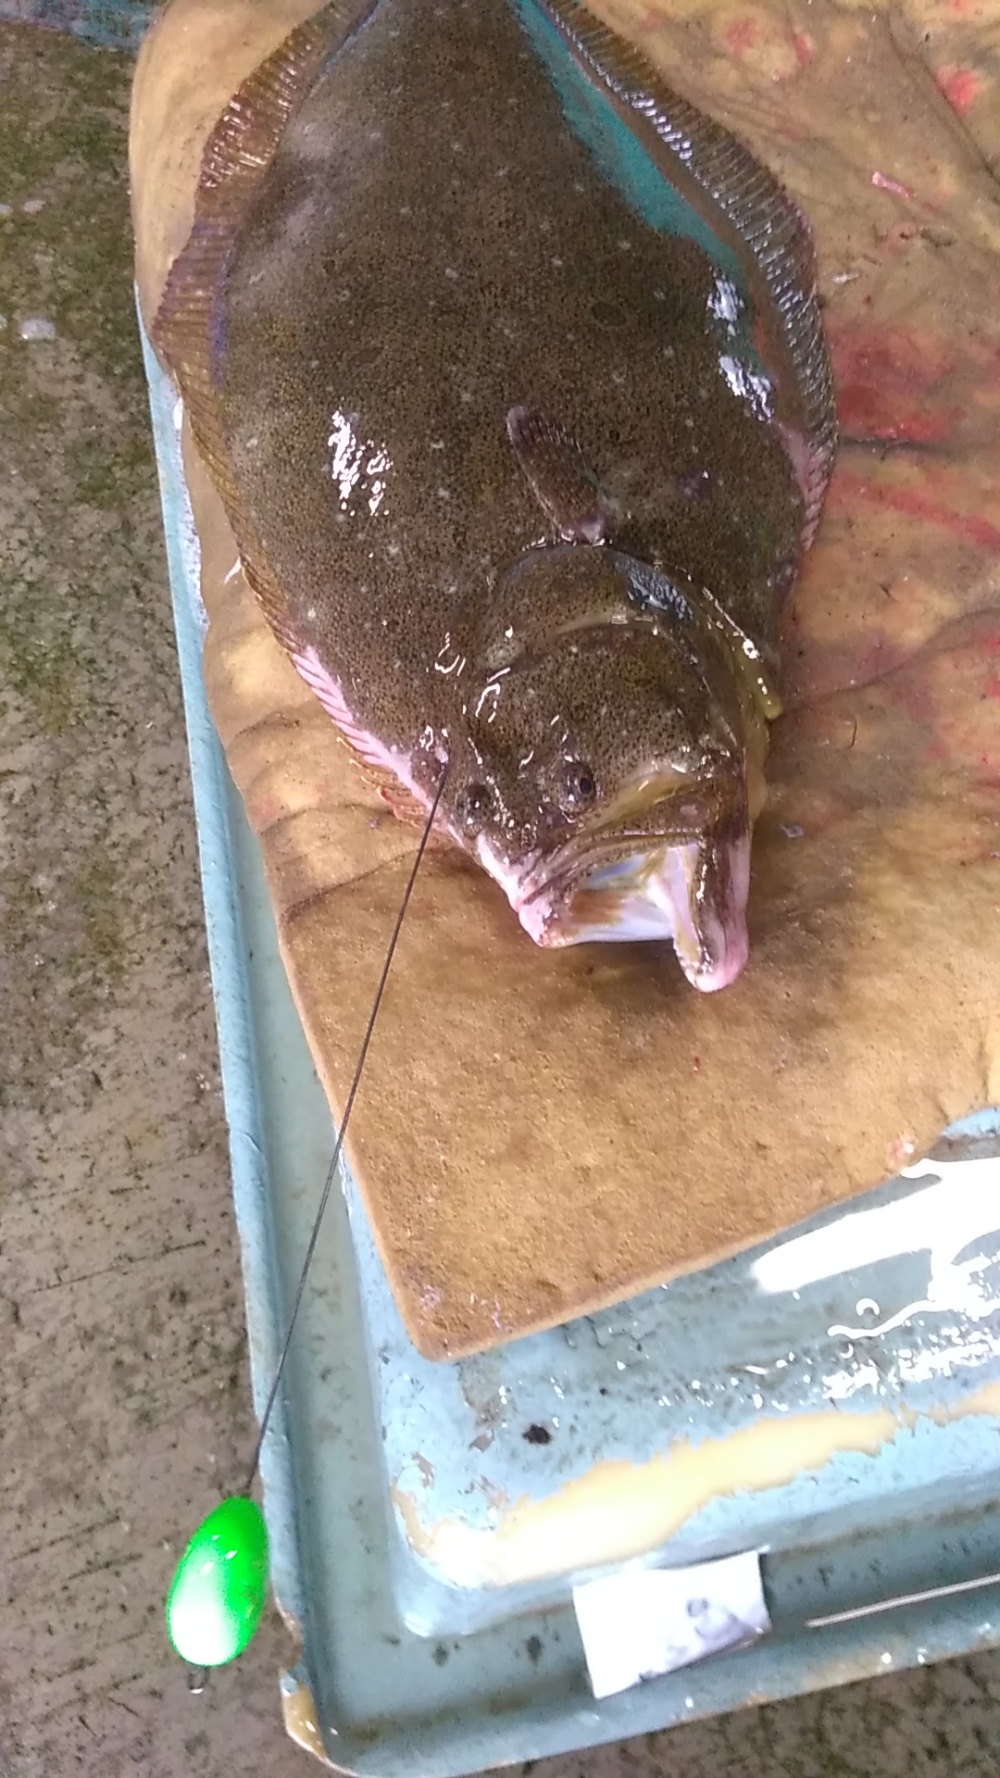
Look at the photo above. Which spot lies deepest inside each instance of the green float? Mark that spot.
(220, 1586)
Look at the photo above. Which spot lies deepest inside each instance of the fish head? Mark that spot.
(607, 768)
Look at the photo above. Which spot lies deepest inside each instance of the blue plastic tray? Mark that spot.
(870, 1561)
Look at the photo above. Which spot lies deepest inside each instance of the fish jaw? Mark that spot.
(693, 893)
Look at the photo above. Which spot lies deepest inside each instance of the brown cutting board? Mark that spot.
(540, 1134)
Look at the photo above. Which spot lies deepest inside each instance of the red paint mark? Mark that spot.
(805, 49)
(884, 183)
(888, 385)
(971, 526)
(960, 86)
(742, 35)
(862, 412)
(992, 688)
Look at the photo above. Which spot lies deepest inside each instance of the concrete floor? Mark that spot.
(123, 1389)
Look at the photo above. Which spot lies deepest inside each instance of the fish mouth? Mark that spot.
(691, 890)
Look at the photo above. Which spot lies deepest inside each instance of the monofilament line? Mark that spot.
(338, 1147)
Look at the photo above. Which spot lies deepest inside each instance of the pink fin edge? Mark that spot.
(330, 694)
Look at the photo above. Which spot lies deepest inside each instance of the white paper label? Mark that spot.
(647, 1621)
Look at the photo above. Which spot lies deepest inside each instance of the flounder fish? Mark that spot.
(508, 365)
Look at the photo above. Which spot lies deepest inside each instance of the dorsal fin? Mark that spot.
(236, 158)
(748, 210)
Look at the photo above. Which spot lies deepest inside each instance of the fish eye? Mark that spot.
(473, 807)
(579, 786)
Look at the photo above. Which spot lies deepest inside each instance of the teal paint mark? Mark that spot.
(618, 155)
(109, 24)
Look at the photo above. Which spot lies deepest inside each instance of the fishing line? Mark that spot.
(338, 1146)
(220, 1584)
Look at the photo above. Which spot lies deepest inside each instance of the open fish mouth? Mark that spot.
(692, 891)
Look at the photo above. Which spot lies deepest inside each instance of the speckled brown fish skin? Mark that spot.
(401, 246)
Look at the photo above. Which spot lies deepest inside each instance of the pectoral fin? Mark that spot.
(559, 477)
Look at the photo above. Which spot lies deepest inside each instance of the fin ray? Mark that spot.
(746, 205)
(236, 158)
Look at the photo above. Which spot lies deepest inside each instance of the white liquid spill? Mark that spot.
(957, 1214)
(960, 1209)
